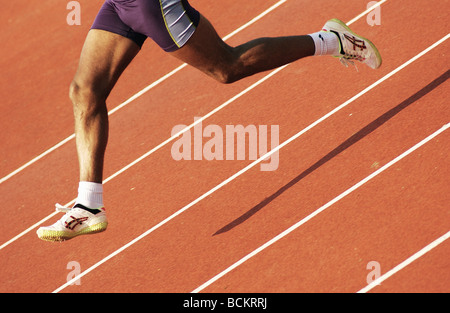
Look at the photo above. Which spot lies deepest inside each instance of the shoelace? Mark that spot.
(348, 58)
(347, 62)
(63, 209)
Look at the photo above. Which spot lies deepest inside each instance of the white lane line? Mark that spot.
(321, 209)
(61, 143)
(27, 230)
(187, 128)
(139, 94)
(405, 263)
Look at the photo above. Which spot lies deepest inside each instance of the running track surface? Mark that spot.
(394, 218)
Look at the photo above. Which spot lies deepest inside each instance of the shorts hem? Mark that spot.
(138, 41)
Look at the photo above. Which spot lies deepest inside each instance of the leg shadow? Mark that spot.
(346, 144)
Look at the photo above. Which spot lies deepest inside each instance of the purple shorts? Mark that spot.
(170, 23)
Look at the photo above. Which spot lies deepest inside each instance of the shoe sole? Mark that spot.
(58, 236)
(374, 48)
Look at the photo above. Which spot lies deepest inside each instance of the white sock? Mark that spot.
(327, 43)
(90, 195)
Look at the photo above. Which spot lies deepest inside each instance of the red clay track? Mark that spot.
(386, 220)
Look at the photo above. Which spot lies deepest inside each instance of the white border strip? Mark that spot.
(405, 263)
(321, 209)
(139, 94)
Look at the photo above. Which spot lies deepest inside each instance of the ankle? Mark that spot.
(327, 43)
(90, 194)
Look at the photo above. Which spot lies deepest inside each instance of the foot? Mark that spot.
(352, 46)
(78, 220)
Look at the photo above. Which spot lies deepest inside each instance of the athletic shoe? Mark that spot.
(352, 46)
(78, 220)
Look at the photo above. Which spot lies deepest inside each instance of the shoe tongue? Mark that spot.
(77, 205)
(93, 211)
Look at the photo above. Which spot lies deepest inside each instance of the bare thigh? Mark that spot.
(207, 52)
(104, 57)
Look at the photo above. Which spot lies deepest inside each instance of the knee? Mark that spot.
(85, 97)
(225, 75)
(220, 76)
(230, 70)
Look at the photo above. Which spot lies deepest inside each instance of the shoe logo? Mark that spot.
(357, 43)
(75, 222)
(320, 36)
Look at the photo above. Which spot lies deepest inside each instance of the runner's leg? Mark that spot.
(104, 57)
(207, 52)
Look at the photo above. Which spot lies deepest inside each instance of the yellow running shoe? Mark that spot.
(352, 46)
(78, 220)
